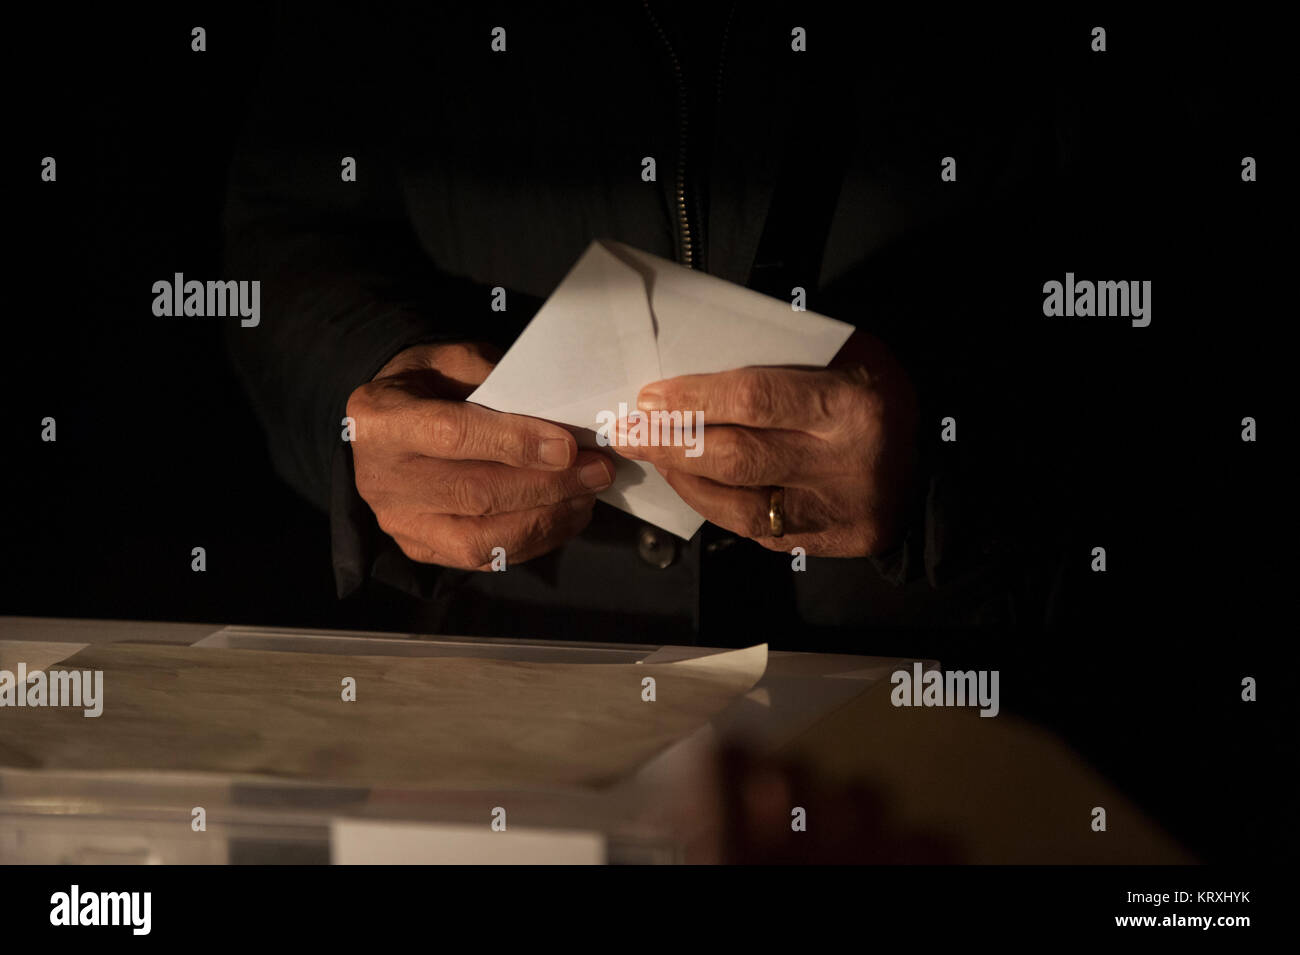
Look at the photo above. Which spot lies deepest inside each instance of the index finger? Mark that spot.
(801, 399)
(463, 431)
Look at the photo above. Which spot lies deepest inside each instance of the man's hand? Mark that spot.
(839, 440)
(449, 480)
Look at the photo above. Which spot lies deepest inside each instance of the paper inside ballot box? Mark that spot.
(622, 319)
(418, 721)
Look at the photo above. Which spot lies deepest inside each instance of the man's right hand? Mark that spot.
(450, 481)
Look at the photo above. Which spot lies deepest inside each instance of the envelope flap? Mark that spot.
(705, 324)
(593, 337)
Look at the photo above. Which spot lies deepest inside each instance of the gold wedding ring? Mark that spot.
(776, 511)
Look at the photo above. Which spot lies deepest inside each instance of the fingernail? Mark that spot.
(651, 400)
(595, 475)
(554, 451)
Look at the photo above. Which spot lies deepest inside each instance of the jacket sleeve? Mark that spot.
(345, 285)
(948, 274)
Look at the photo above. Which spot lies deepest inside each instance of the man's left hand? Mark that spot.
(839, 440)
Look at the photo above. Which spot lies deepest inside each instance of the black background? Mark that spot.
(158, 452)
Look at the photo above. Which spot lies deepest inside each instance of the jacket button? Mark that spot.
(722, 543)
(657, 548)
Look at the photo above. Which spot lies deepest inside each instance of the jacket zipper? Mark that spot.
(717, 80)
(685, 249)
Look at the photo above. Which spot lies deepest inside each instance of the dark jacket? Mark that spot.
(816, 168)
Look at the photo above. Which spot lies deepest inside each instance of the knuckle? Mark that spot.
(360, 399)
(471, 551)
(831, 402)
(736, 462)
(510, 444)
(753, 397)
(417, 552)
(535, 528)
(361, 407)
(551, 490)
(547, 522)
(458, 352)
(388, 523)
(471, 496)
(446, 433)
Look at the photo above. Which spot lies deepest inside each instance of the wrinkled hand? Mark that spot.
(449, 480)
(840, 440)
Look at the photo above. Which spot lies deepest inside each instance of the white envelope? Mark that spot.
(623, 318)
